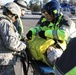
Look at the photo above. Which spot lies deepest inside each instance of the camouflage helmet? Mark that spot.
(13, 8)
(22, 4)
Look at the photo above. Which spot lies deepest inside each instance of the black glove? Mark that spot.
(23, 39)
(20, 53)
(42, 34)
(29, 35)
(23, 53)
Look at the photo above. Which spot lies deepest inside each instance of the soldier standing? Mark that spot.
(10, 43)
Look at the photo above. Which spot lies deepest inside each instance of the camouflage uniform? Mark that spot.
(9, 45)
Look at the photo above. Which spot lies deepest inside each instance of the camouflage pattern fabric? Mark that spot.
(9, 42)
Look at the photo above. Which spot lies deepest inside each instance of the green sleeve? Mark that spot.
(35, 30)
(56, 34)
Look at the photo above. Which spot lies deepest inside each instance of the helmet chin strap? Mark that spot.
(11, 16)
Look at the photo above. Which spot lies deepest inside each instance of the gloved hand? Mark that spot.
(20, 53)
(23, 53)
(23, 39)
(42, 34)
(29, 35)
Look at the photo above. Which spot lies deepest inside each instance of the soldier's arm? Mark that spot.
(10, 38)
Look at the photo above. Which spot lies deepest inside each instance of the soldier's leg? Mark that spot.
(18, 68)
(7, 70)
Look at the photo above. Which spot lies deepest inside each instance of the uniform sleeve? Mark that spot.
(38, 25)
(56, 34)
(35, 30)
(10, 37)
(65, 32)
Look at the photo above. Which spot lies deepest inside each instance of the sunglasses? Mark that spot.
(16, 16)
